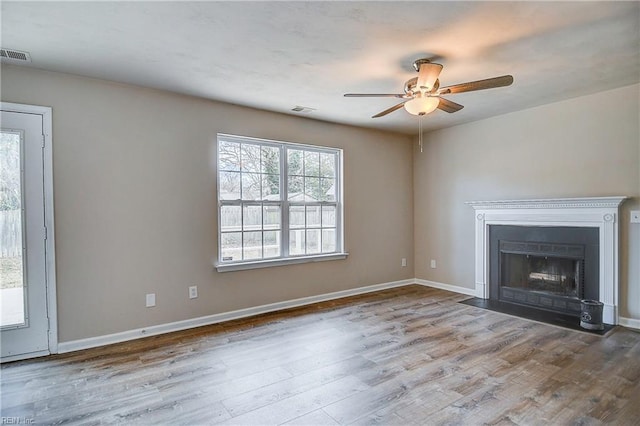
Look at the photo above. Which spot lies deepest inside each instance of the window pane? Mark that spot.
(328, 216)
(270, 160)
(313, 241)
(271, 244)
(313, 216)
(229, 156)
(252, 218)
(328, 165)
(327, 189)
(296, 189)
(328, 240)
(296, 242)
(229, 186)
(312, 189)
(252, 245)
(231, 246)
(295, 162)
(230, 218)
(12, 262)
(271, 217)
(296, 216)
(251, 186)
(271, 187)
(311, 163)
(250, 158)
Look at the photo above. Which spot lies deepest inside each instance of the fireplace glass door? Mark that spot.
(547, 276)
(541, 274)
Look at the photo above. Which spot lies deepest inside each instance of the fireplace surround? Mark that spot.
(601, 214)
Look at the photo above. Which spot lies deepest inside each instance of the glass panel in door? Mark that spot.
(12, 289)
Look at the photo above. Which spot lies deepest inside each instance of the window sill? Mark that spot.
(242, 266)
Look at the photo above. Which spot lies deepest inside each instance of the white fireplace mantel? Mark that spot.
(597, 212)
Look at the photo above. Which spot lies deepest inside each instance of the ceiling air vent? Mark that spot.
(11, 55)
(302, 109)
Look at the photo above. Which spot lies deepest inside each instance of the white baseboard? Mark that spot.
(448, 287)
(629, 322)
(92, 342)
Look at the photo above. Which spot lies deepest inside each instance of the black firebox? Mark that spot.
(544, 267)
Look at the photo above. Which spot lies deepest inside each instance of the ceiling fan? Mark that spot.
(422, 94)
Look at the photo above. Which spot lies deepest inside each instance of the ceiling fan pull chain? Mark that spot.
(420, 117)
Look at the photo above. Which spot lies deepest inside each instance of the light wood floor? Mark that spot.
(410, 355)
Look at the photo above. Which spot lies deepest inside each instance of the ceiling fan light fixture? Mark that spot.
(421, 105)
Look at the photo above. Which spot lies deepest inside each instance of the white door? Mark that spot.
(24, 298)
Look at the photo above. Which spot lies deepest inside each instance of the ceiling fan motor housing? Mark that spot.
(410, 86)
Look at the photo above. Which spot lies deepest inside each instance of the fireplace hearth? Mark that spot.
(549, 268)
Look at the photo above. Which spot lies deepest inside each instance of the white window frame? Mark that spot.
(285, 257)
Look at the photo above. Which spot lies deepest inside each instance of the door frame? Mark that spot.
(50, 258)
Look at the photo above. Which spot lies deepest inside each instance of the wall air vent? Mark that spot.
(14, 56)
(302, 109)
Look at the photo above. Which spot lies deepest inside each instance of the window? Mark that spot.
(277, 203)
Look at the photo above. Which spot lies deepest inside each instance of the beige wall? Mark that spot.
(587, 146)
(134, 182)
(135, 204)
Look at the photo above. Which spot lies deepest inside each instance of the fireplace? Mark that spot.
(601, 214)
(548, 268)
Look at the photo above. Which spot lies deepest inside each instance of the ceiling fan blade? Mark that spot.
(375, 95)
(389, 110)
(428, 75)
(490, 83)
(448, 106)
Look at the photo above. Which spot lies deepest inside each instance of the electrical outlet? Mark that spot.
(404, 261)
(193, 292)
(151, 300)
(635, 216)
(433, 264)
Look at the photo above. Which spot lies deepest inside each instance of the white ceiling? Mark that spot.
(276, 55)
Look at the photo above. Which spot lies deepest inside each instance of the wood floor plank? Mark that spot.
(295, 385)
(288, 409)
(409, 355)
(318, 417)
